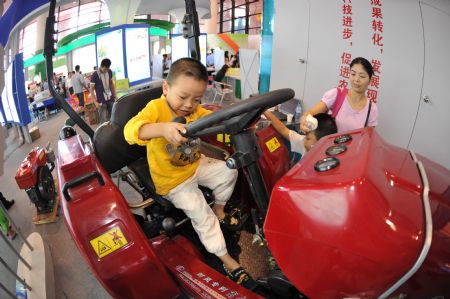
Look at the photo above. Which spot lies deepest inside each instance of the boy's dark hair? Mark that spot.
(188, 67)
(77, 68)
(325, 125)
(105, 63)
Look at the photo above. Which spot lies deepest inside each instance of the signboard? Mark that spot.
(137, 54)
(109, 44)
(128, 48)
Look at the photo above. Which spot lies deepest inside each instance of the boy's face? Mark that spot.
(310, 140)
(184, 94)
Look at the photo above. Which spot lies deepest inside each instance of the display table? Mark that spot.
(43, 105)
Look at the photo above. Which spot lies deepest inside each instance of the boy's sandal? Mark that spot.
(241, 277)
(232, 221)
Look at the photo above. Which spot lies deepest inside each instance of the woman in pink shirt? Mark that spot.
(356, 111)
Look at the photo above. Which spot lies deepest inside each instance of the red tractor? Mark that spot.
(356, 217)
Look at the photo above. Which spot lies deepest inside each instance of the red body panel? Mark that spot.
(273, 164)
(433, 278)
(356, 229)
(26, 175)
(133, 271)
(195, 277)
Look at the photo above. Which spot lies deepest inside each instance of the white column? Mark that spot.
(162, 44)
(40, 31)
(211, 23)
(122, 11)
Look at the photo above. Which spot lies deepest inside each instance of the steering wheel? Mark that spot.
(238, 116)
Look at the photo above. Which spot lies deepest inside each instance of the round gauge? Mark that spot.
(342, 139)
(326, 164)
(336, 150)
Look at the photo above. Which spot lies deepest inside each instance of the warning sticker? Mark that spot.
(109, 242)
(224, 138)
(273, 144)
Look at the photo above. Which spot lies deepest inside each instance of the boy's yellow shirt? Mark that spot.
(165, 175)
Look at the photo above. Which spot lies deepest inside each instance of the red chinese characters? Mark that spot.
(377, 24)
(344, 72)
(377, 40)
(372, 91)
(375, 36)
(347, 19)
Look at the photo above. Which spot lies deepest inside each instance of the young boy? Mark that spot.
(303, 143)
(176, 175)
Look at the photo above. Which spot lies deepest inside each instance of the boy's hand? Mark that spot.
(172, 132)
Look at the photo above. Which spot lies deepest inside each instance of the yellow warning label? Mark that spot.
(109, 242)
(220, 138)
(273, 144)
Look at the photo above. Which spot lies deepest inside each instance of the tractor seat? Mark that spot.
(113, 150)
(110, 145)
(141, 169)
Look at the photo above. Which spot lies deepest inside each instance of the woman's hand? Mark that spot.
(304, 124)
(172, 132)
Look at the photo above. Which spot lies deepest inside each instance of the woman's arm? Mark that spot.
(277, 124)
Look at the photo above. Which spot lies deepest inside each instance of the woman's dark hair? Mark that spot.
(188, 67)
(365, 63)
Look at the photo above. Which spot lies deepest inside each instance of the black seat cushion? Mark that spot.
(110, 145)
(140, 169)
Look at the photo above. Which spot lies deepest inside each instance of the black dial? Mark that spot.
(342, 139)
(326, 164)
(336, 150)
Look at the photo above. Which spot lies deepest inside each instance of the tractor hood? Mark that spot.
(355, 223)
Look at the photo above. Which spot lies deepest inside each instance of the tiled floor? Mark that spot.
(73, 278)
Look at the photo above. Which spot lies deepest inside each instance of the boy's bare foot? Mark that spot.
(219, 211)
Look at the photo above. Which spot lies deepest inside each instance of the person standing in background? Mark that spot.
(210, 58)
(235, 61)
(227, 58)
(79, 86)
(6, 203)
(102, 90)
(5, 226)
(69, 83)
